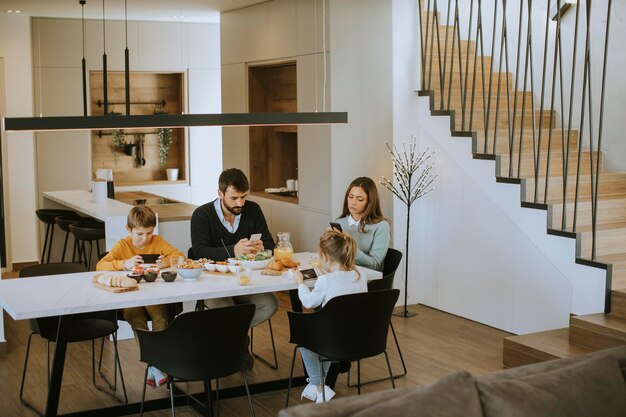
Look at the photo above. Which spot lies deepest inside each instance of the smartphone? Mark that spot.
(309, 274)
(256, 236)
(149, 258)
(336, 225)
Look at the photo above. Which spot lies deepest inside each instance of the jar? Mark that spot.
(283, 249)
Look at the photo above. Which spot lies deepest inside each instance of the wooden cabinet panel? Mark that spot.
(147, 91)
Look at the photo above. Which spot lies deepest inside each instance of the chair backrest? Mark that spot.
(47, 326)
(392, 261)
(348, 327)
(190, 253)
(200, 345)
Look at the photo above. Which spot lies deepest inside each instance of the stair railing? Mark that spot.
(458, 88)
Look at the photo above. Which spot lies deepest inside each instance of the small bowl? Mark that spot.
(234, 268)
(169, 276)
(209, 266)
(222, 268)
(136, 277)
(190, 274)
(232, 261)
(150, 276)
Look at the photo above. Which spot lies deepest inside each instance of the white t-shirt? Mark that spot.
(331, 285)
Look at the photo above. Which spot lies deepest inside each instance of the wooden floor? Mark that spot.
(434, 344)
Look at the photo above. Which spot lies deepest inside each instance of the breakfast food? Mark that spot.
(115, 281)
(255, 256)
(277, 267)
(190, 264)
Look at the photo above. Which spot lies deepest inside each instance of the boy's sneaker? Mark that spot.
(150, 378)
(309, 392)
(160, 377)
(328, 392)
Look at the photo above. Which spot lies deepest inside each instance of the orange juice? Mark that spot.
(283, 253)
(244, 276)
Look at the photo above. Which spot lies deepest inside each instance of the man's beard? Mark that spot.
(236, 210)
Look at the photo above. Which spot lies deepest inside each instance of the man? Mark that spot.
(222, 229)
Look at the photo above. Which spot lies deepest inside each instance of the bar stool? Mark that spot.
(64, 223)
(89, 231)
(48, 217)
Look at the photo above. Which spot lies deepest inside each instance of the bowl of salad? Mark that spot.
(255, 260)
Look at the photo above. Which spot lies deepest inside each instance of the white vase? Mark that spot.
(172, 174)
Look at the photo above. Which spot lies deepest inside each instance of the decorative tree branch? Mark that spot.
(413, 177)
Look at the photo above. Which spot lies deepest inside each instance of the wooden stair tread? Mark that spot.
(538, 347)
(602, 323)
(618, 260)
(601, 227)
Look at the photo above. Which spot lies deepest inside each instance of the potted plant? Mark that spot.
(164, 136)
(119, 140)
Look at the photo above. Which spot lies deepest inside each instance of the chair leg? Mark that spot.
(358, 377)
(261, 359)
(119, 364)
(45, 243)
(209, 397)
(67, 236)
(293, 362)
(116, 364)
(396, 376)
(217, 396)
(391, 378)
(323, 379)
(170, 385)
(50, 244)
(143, 393)
(245, 382)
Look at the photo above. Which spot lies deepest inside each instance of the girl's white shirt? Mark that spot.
(331, 285)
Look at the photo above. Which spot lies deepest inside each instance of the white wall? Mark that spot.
(20, 181)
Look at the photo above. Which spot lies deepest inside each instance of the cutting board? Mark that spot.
(115, 289)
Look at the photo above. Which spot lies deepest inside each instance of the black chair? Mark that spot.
(348, 328)
(48, 217)
(199, 346)
(81, 327)
(200, 306)
(88, 231)
(392, 261)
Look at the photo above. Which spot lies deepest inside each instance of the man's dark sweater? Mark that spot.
(207, 231)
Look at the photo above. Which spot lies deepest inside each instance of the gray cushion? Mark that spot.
(452, 396)
(593, 387)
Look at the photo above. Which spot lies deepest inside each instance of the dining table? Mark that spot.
(67, 294)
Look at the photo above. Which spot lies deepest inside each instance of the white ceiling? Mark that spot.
(153, 10)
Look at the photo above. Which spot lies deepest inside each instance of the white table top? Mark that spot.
(81, 201)
(54, 295)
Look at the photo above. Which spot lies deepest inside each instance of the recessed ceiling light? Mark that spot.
(13, 11)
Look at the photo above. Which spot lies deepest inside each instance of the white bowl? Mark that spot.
(209, 266)
(222, 268)
(255, 264)
(189, 274)
(234, 268)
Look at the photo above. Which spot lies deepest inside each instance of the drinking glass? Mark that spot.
(177, 261)
(244, 277)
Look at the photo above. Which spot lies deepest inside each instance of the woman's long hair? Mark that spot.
(372, 214)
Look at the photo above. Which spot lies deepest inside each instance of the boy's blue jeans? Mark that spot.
(313, 366)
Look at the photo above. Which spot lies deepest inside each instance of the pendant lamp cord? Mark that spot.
(324, 52)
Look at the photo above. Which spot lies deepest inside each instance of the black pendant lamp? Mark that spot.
(104, 64)
(126, 60)
(82, 20)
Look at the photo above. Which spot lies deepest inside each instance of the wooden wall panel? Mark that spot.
(147, 89)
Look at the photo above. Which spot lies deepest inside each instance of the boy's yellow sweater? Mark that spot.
(124, 249)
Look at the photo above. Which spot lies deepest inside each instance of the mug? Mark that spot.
(291, 185)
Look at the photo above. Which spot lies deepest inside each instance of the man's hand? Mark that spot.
(258, 245)
(130, 263)
(244, 246)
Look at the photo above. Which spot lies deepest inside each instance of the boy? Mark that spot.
(125, 255)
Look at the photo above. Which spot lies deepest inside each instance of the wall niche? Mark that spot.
(149, 93)
(273, 149)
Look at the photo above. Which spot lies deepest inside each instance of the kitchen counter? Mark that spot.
(174, 216)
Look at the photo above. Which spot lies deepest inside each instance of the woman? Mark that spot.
(363, 219)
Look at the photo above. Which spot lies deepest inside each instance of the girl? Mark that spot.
(363, 219)
(337, 252)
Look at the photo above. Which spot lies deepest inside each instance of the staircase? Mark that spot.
(557, 171)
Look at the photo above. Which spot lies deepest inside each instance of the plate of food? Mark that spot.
(190, 270)
(255, 260)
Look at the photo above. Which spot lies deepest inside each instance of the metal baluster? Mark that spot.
(432, 47)
(591, 183)
(521, 131)
(517, 61)
(467, 55)
(455, 31)
(582, 109)
(479, 36)
(508, 85)
(563, 152)
(482, 60)
(502, 43)
(445, 58)
(441, 77)
(532, 88)
(569, 124)
(422, 52)
(600, 128)
(493, 45)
